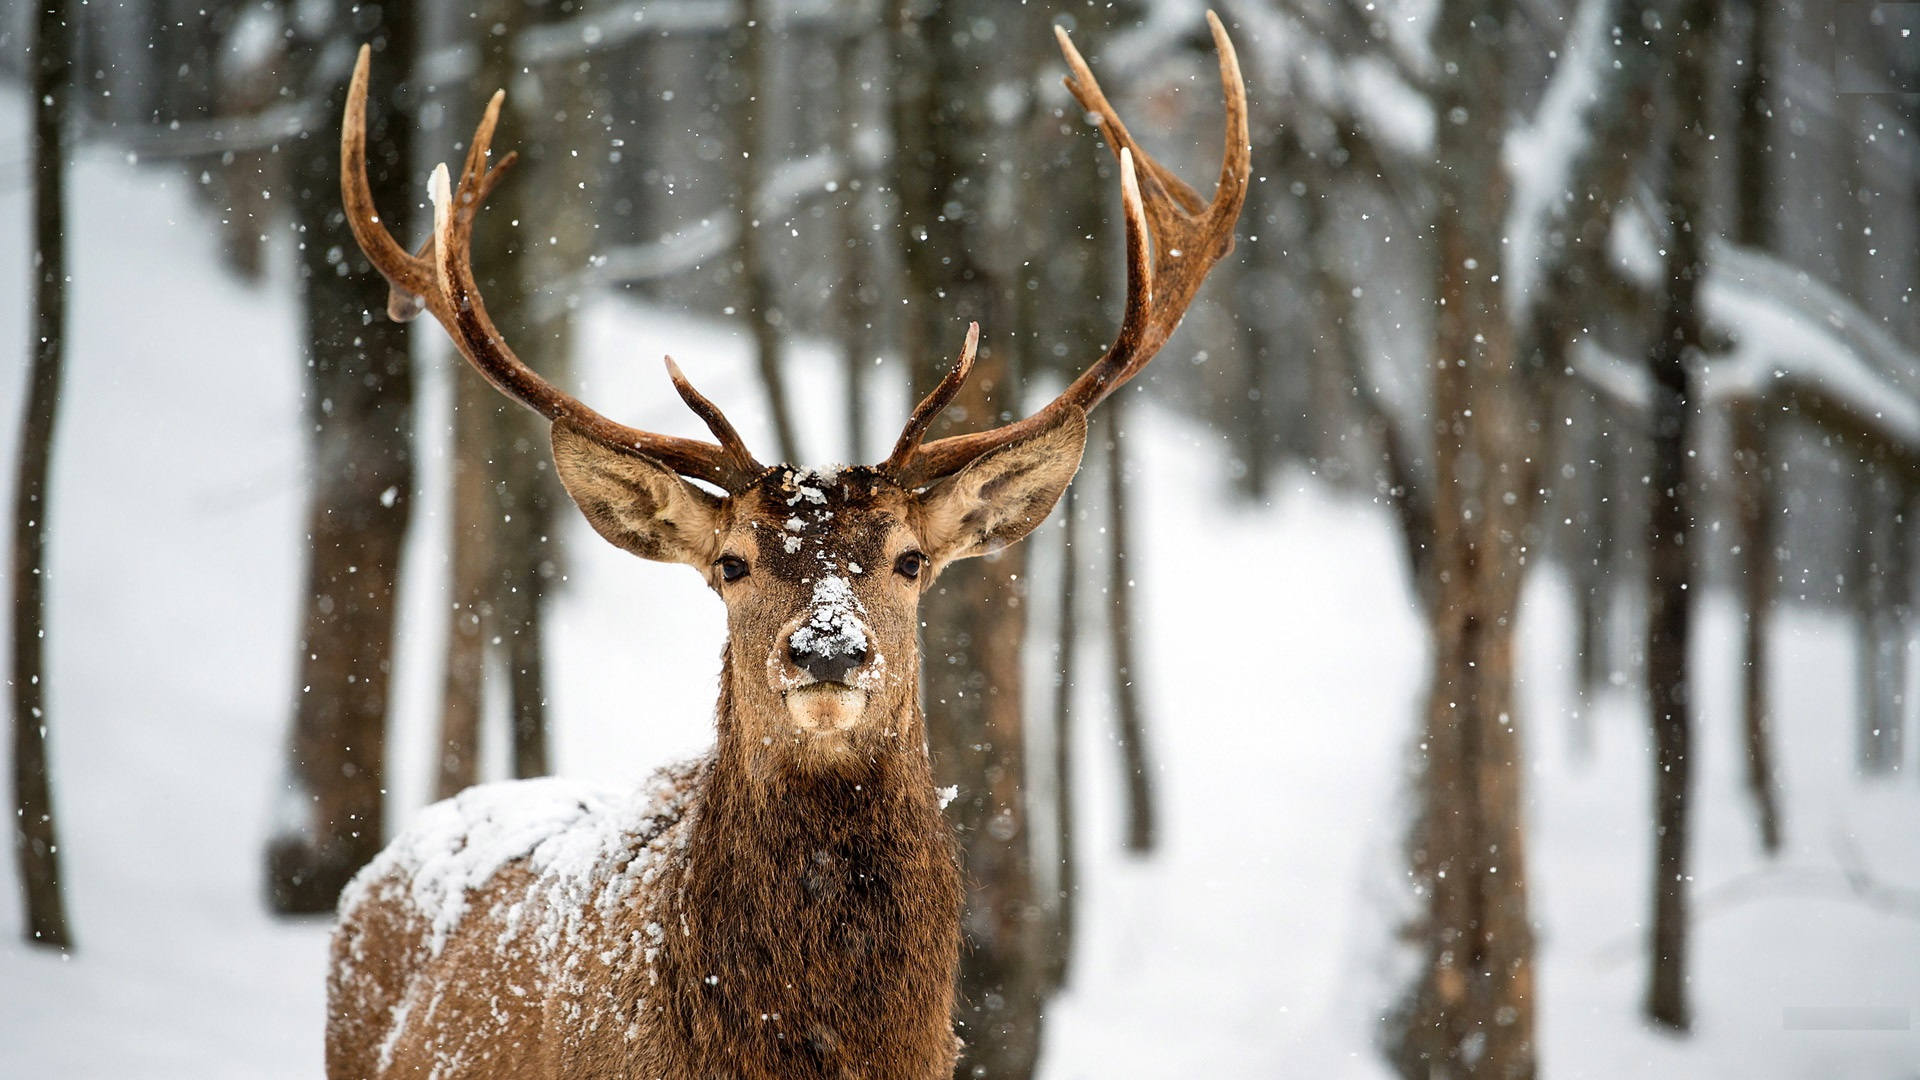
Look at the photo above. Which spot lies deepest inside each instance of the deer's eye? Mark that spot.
(909, 565)
(732, 567)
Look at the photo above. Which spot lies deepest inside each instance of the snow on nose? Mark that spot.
(833, 641)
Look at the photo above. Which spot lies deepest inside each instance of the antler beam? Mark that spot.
(1173, 239)
(440, 279)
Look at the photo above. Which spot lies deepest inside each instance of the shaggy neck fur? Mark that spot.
(814, 931)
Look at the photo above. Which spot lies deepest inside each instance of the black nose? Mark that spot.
(828, 658)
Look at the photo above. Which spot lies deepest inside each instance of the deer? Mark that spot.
(789, 904)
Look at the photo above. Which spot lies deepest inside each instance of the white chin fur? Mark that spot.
(824, 707)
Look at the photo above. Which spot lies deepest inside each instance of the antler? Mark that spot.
(440, 279)
(1188, 237)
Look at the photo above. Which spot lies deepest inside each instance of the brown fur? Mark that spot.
(788, 907)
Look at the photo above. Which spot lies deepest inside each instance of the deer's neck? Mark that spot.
(829, 900)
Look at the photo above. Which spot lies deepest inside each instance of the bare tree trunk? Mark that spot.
(1067, 881)
(504, 551)
(470, 616)
(1470, 1013)
(855, 297)
(1130, 725)
(1753, 225)
(36, 842)
(360, 406)
(1669, 520)
(1597, 522)
(554, 120)
(1755, 515)
(975, 626)
(1881, 552)
(762, 294)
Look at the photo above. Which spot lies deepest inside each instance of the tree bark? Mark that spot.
(35, 839)
(1754, 228)
(974, 617)
(762, 293)
(1755, 514)
(1130, 724)
(1670, 514)
(1880, 618)
(471, 559)
(855, 296)
(1471, 1010)
(1067, 875)
(360, 405)
(504, 548)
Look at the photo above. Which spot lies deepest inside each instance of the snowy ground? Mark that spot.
(1282, 664)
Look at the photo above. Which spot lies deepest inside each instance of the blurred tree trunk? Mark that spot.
(481, 486)
(946, 147)
(762, 307)
(1752, 447)
(1669, 558)
(1596, 525)
(854, 211)
(470, 565)
(1879, 588)
(36, 842)
(552, 198)
(360, 405)
(1753, 479)
(1066, 656)
(1130, 725)
(504, 552)
(1471, 1010)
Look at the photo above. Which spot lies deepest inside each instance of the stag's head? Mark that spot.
(822, 571)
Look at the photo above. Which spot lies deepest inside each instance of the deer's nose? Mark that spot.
(827, 657)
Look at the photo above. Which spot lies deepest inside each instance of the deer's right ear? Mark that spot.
(637, 503)
(1002, 495)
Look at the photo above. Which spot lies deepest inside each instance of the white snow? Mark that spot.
(1281, 699)
(834, 627)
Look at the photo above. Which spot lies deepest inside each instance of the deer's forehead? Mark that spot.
(804, 523)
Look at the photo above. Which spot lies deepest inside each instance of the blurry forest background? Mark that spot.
(1572, 343)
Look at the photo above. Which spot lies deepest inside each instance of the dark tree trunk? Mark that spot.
(1130, 724)
(945, 151)
(1753, 227)
(470, 616)
(549, 126)
(1670, 514)
(1754, 203)
(1067, 879)
(35, 840)
(1597, 522)
(1753, 479)
(762, 308)
(1881, 617)
(1471, 1010)
(360, 406)
(854, 212)
(504, 552)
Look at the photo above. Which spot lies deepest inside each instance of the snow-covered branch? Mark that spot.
(232, 134)
(623, 22)
(1571, 165)
(788, 185)
(1795, 341)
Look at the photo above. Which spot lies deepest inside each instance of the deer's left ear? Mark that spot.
(1002, 496)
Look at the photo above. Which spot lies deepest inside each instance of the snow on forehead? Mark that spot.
(812, 485)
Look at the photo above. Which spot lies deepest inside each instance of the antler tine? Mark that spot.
(931, 406)
(440, 279)
(467, 322)
(409, 276)
(716, 421)
(1188, 237)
